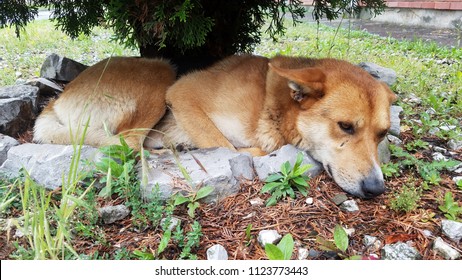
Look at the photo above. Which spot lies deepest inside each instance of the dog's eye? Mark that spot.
(346, 127)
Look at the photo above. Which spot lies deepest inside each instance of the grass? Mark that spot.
(25, 55)
(425, 71)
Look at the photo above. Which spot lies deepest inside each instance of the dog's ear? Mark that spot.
(303, 82)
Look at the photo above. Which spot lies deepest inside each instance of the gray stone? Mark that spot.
(395, 128)
(46, 164)
(384, 151)
(219, 168)
(445, 249)
(454, 144)
(268, 236)
(394, 140)
(60, 68)
(372, 242)
(349, 206)
(111, 214)
(217, 253)
(6, 143)
(439, 157)
(452, 229)
(339, 198)
(383, 74)
(270, 164)
(46, 86)
(400, 251)
(19, 107)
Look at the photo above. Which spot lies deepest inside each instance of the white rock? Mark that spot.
(268, 236)
(217, 253)
(400, 251)
(445, 249)
(302, 253)
(372, 242)
(309, 200)
(454, 145)
(439, 157)
(349, 231)
(452, 229)
(394, 140)
(256, 201)
(457, 179)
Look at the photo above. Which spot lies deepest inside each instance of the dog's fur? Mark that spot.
(332, 109)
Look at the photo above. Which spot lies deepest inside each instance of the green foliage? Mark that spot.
(429, 171)
(451, 209)
(192, 199)
(407, 199)
(281, 184)
(224, 27)
(283, 251)
(248, 234)
(339, 245)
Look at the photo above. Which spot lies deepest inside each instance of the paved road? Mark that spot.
(443, 37)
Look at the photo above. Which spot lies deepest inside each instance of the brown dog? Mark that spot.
(332, 109)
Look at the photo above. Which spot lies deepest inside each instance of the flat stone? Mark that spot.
(268, 236)
(217, 253)
(445, 249)
(219, 168)
(46, 164)
(452, 229)
(270, 164)
(400, 251)
(111, 214)
(339, 198)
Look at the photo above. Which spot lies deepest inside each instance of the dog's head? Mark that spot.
(343, 114)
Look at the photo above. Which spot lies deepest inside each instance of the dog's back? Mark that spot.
(119, 95)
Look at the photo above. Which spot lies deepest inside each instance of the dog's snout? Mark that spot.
(373, 185)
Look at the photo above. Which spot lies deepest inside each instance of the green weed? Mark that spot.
(406, 199)
(282, 184)
(282, 251)
(339, 245)
(451, 209)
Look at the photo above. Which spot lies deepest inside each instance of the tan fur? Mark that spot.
(116, 96)
(332, 109)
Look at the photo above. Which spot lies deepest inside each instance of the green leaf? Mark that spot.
(164, 241)
(271, 201)
(285, 168)
(268, 187)
(325, 245)
(179, 199)
(248, 231)
(340, 238)
(286, 245)
(203, 192)
(273, 252)
(192, 208)
(302, 169)
(300, 181)
(302, 190)
(274, 177)
(143, 255)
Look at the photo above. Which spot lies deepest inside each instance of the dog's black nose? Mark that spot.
(372, 185)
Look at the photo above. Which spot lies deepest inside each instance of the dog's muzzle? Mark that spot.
(373, 185)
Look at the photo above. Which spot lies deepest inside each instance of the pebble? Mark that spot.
(268, 236)
(256, 201)
(339, 199)
(400, 251)
(217, 253)
(303, 253)
(439, 157)
(452, 229)
(445, 249)
(394, 140)
(454, 145)
(111, 214)
(372, 242)
(349, 206)
(309, 201)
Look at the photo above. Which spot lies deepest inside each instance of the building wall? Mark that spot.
(418, 4)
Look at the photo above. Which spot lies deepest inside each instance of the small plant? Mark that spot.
(281, 184)
(192, 199)
(339, 245)
(282, 251)
(248, 235)
(390, 169)
(406, 200)
(451, 209)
